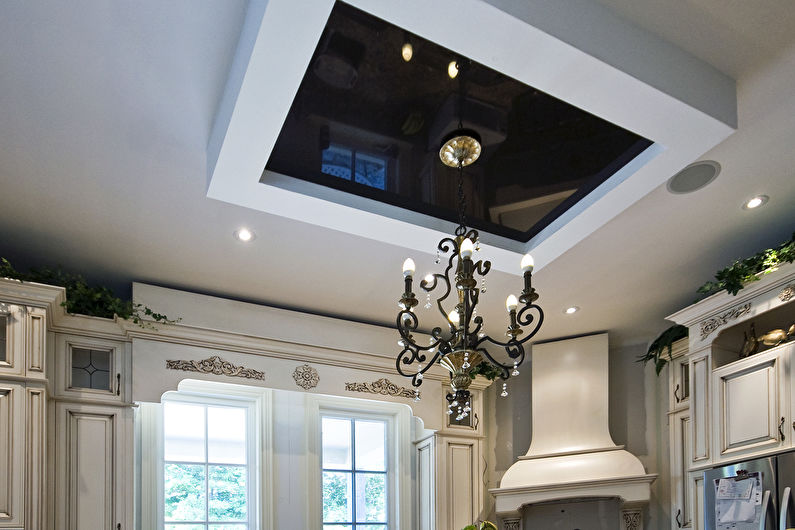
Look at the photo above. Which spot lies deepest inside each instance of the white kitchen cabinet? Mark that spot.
(22, 341)
(681, 486)
(450, 487)
(93, 467)
(678, 377)
(92, 369)
(751, 408)
(12, 461)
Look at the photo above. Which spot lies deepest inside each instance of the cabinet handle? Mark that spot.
(118, 393)
(678, 515)
(781, 429)
(477, 421)
(118, 526)
(676, 393)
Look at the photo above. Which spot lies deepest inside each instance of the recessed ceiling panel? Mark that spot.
(376, 102)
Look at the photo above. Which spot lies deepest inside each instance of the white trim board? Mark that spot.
(615, 74)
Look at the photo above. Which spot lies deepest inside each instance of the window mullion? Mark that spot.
(206, 468)
(353, 467)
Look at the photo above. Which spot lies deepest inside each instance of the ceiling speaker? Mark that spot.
(694, 177)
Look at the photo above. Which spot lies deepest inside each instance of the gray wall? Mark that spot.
(638, 420)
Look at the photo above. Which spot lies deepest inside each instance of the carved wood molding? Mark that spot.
(787, 293)
(306, 377)
(217, 366)
(633, 519)
(512, 524)
(711, 324)
(383, 386)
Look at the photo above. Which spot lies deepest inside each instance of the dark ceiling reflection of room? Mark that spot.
(370, 123)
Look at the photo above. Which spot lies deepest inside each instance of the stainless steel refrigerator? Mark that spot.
(776, 509)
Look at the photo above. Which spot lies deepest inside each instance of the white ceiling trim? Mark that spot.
(279, 39)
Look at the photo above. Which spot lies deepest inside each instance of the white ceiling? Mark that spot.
(107, 111)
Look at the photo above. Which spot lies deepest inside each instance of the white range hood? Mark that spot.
(572, 455)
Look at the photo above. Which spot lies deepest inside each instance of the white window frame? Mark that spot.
(398, 440)
(149, 429)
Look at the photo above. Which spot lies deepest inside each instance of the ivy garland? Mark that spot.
(85, 299)
(734, 277)
(730, 279)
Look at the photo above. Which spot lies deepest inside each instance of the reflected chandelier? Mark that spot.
(460, 346)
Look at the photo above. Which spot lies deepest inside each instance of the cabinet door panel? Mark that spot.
(88, 485)
(12, 340)
(748, 406)
(11, 455)
(426, 489)
(92, 369)
(699, 406)
(461, 476)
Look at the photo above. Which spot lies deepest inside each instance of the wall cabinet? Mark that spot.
(681, 488)
(450, 485)
(92, 369)
(93, 467)
(22, 341)
(751, 408)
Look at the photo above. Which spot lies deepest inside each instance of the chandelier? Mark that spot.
(460, 346)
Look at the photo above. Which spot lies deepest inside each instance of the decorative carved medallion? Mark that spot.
(511, 524)
(632, 519)
(306, 377)
(383, 386)
(711, 324)
(787, 293)
(215, 365)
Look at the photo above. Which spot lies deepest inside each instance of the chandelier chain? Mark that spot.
(462, 202)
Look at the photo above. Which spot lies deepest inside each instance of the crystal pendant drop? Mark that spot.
(428, 302)
(515, 371)
(416, 395)
(504, 390)
(483, 285)
(438, 257)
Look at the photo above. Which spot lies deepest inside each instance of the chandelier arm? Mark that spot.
(483, 267)
(528, 319)
(403, 359)
(478, 320)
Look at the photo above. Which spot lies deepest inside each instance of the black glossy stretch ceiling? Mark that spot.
(368, 122)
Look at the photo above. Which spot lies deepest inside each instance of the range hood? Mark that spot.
(572, 455)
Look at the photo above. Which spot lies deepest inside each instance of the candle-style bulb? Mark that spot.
(467, 248)
(408, 267)
(511, 303)
(453, 317)
(527, 263)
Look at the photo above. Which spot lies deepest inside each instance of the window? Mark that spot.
(208, 472)
(355, 473)
(91, 369)
(349, 164)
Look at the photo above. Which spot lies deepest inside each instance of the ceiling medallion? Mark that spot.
(461, 347)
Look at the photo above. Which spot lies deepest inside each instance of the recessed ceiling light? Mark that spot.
(571, 310)
(244, 234)
(694, 177)
(452, 69)
(407, 52)
(755, 202)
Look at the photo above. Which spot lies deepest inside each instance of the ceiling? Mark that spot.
(107, 113)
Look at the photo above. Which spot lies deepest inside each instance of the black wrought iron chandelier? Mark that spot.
(461, 346)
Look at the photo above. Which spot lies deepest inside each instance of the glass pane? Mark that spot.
(337, 527)
(371, 497)
(226, 435)
(91, 369)
(686, 381)
(227, 527)
(370, 446)
(183, 426)
(336, 162)
(336, 443)
(184, 527)
(371, 526)
(337, 493)
(184, 492)
(227, 488)
(371, 171)
(3, 331)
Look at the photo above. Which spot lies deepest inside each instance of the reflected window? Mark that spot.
(355, 486)
(349, 164)
(207, 471)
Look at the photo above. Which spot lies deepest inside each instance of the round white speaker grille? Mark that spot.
(694, 177)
